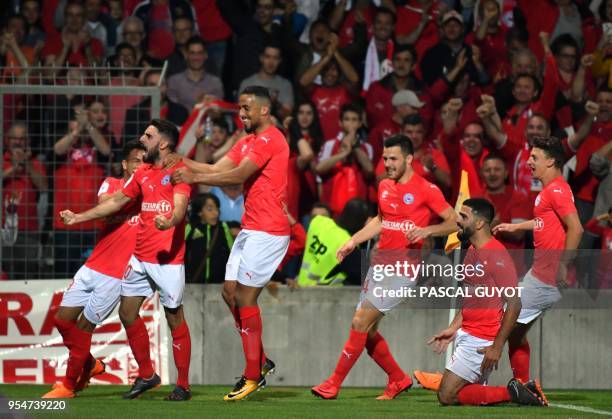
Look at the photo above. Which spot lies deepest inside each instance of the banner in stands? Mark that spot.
(31, 348)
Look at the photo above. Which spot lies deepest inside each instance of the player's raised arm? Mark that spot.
(178, 214)
(369, 231)
(509, 227)
(224, 163)
(103, 209)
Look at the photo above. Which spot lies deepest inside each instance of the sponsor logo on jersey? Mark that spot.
(134, 220)
(165, 180)
(408, 198)
(406, 225)
(162, 207)
(538, 223)
(384, 194)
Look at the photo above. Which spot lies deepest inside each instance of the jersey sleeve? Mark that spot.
(182, 188)
(107, 187)
(131, 189)
(234, 153)
(504, 271)
(435, 199)
(261, 151)
(563, 202)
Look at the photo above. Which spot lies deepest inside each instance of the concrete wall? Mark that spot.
(304, 332)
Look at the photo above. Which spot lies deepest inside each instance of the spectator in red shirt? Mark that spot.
(405, 103)
(76, 182)
(574, 79)
(73, 45)
(523, 61)
(601, 226)
(378, 60)
(345, 162)
(23, 175)
(214, 31)
(510, 205)
(15, 54)
(490, 37)
(378, 98)
(338, 84)
(305, 139)
(464, 150)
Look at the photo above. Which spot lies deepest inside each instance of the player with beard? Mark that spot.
(406, 204)
(556, 234)
(481, 328)
(96, 287)
(259, 160)
(157, 262)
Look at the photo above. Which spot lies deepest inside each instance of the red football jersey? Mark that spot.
(265, 193)
(482, 314)
(118, 237)
(554, 202)
(152, 183)
(404, 206)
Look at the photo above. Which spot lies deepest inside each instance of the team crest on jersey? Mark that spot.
(408, 198)
(243, 149)
(538, 223)
(384, 194)
(165, 180)
(537, 200)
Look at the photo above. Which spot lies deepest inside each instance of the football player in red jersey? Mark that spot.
(157, 262)
(482, 326)
(556, 232)
(259, 160)
(96, 287)
(406, 204)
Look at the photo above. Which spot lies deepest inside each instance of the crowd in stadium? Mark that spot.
(471, 83)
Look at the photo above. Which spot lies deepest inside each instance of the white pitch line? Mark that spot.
(581, 409)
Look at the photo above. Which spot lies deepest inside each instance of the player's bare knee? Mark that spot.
(446, 398)
(229, 294)
(360, 323)
(174, 316)
(127, 316)
(85, 325)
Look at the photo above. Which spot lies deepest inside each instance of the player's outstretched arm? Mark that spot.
(103, 209)
(369, 231)
(178, 214)
(509, 227)
(493, 353)
(440, 341)
(234, 176)
(224, 163)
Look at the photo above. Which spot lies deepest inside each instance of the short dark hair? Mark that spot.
(195, 40)
(552, 147)
(562, 41)
(322, 205)
(482, 208)
(350, 107)
(168, 130)
(401, 141)
(536, 83)
(413, 120)
(494, 156)
(259, 92)
(406, 48)
(320, 22)
(385, 11)
(131, 146)
(354, 215)
(541, 116)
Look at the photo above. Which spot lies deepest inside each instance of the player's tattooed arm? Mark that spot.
(509, 227)
(103, 209)
(178, 214)
(368, 232)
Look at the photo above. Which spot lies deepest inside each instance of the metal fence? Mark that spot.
(62, 131)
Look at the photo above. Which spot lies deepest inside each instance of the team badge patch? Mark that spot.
(408, 199)
(165, 180)
(537, 200)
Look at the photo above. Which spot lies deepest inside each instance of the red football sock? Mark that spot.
(181, 349)
(139, 343)
(250, 319)
(65, 328)
(78, 357)
(479, 395)
(519, 361)
(351, 352)
(378, 349)
(236, 313)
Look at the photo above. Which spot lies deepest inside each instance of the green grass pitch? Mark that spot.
(297, 402)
